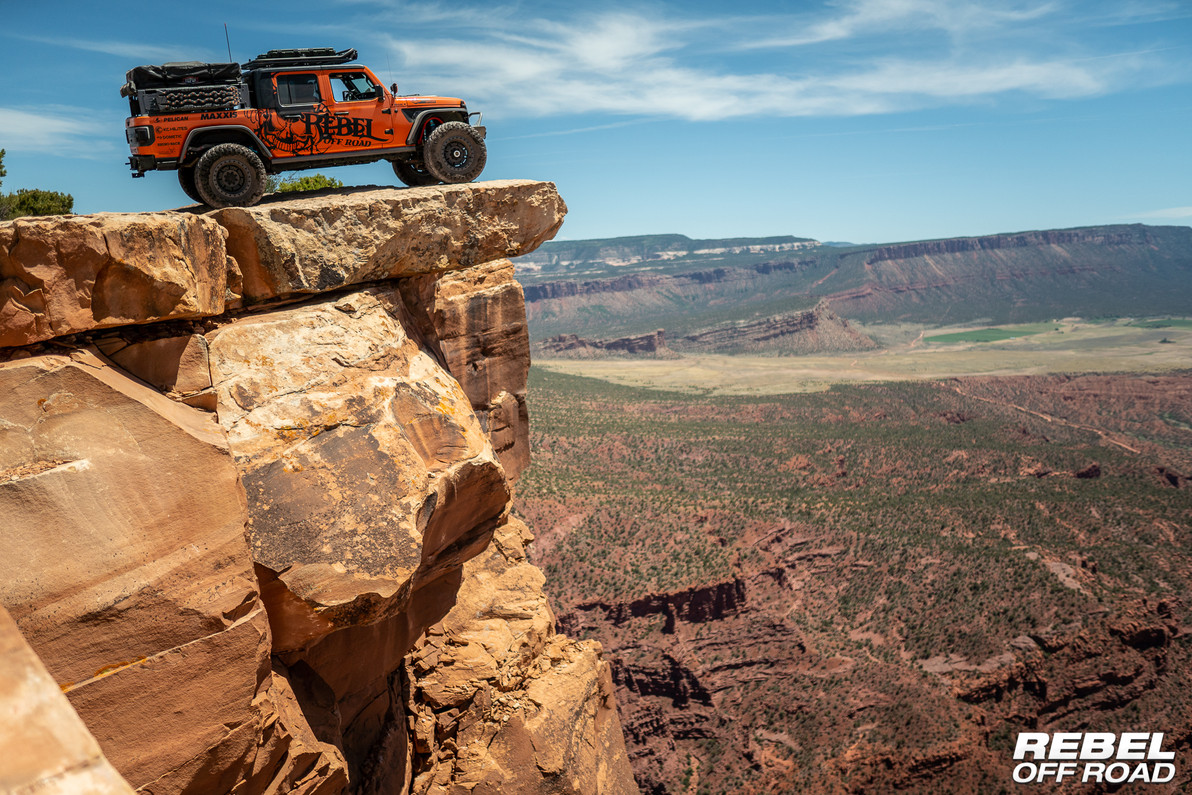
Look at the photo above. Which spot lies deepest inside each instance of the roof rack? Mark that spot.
(309, 56)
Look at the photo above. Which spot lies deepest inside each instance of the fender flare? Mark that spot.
(238, 129)
(456, 114)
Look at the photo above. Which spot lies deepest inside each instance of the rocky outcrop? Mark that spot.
(256, 516)
(142, 602)
(326, 242)
(64, 274)
(571, 346)
(485, 686)
(48, 749)
(692, 606)
(813, 331)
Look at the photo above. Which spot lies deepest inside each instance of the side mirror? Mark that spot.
(393, 88)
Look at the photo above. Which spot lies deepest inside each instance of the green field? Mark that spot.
(992, 334)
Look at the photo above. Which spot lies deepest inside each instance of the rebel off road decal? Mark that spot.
(310, 132)
(1092, 757)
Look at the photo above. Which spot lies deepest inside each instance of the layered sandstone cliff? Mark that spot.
(252, 464)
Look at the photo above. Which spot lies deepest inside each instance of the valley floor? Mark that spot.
(908, 353)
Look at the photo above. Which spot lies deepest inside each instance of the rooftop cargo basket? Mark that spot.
(310, 56)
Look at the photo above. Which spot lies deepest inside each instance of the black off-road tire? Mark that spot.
(186, 179)
(413, 174)
(230, 175)
(454, 153)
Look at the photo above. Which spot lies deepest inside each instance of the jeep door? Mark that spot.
(361, 113)
(298, 127)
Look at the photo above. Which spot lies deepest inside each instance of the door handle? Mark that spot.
(341, 113)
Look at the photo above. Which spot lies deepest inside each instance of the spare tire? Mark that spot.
(454, 153)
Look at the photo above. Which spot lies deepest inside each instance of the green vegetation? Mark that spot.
(889, 467)
(1170, 322)
(277, 184)
(32, 201)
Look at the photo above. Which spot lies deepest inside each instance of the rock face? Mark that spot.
(48, 748)
(475, 321)
(223, 536)
(65, 274)
(486, 686)
(1098, 236)
(143, 598)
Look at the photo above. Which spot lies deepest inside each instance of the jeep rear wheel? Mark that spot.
(186, 179)
(413, 174)
(454, 153)
(230, 175)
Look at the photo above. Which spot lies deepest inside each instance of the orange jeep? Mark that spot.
(224, 126)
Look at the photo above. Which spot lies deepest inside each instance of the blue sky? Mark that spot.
(859, 120)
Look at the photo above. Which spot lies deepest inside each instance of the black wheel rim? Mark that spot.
(456, 155)
(231, 179)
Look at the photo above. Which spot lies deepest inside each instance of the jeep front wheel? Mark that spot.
(413, 174)
(454, 153)
(230, 175)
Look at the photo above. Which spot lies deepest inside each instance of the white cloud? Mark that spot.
(629, 63)
(884, 17)
(66, 132)
(957, 80)
(131, 50)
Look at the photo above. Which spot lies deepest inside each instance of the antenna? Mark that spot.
(229, 41)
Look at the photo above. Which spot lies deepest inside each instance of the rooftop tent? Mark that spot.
(183, 73)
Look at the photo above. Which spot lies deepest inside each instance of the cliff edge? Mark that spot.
(257, 468)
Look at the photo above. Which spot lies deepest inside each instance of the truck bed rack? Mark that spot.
(309, 56)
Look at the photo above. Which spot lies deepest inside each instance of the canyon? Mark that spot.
(872, 588)
(257, 469)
